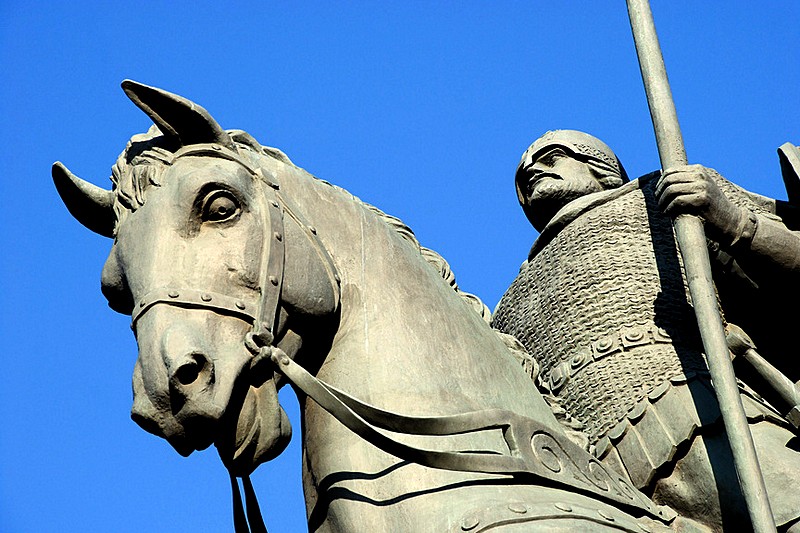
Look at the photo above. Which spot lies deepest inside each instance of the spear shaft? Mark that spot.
(692, 243)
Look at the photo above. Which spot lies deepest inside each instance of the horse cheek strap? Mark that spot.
(272, 268)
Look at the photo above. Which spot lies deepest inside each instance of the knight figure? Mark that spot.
(602, 304)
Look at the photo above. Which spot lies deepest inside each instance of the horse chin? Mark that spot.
(255, 433)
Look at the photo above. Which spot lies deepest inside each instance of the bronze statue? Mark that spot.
(602, 302)
(242, 273)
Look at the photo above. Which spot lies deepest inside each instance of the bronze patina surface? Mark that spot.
(584, 404)
(242, 272)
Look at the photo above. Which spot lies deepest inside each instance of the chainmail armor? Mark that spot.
(603, 306)
(593, 152)
(597, 277)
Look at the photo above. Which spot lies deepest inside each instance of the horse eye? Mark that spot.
(219, 206)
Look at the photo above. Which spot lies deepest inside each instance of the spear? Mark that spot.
(692, 243)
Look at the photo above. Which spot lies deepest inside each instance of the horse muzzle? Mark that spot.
(182, 392)
(194, 386)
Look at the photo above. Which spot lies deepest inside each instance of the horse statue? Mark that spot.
(242, 273)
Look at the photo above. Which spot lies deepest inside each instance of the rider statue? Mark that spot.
(602, 304)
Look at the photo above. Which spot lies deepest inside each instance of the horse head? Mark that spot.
(200, 261)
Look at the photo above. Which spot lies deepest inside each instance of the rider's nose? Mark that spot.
(190, 371)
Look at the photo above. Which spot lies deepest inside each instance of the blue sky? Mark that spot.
(421, 109)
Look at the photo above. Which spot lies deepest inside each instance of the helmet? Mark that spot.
(583, 146)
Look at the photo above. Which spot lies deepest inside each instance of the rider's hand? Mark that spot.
(691, 190)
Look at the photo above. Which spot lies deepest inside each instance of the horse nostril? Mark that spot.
(191, 370)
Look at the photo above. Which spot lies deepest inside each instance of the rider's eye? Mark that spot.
(551, 157)
(219, 206)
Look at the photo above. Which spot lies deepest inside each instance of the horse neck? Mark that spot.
(406, 341)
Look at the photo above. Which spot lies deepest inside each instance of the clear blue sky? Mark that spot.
(422, 109)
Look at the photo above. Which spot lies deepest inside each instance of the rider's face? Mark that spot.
(556, 176)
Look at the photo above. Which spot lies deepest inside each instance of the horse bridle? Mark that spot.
(573, 467)
(263, 315)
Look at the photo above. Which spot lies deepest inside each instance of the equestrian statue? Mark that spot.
(242, 273)
(600, 396)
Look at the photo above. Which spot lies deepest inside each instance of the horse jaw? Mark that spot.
(258, 432)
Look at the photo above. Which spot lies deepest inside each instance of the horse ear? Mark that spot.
(176, 116)
(91, 205)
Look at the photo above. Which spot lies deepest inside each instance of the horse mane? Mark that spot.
(432, 257)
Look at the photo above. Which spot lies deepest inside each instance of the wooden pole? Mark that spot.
(692, 243)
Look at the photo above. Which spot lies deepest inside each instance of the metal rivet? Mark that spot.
(240, 304)
(274, 203)
(173, 294)
(273, 280)
(605, 515)
(634, 336)
(563, 507)
(275, 186)
(312, 229)
(517, 508)
(469, 523)
(216, 147)
(278, 236)
(205, 297)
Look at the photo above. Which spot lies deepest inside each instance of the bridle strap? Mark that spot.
(264, 315)
(196, 299)
(249, 521)
(272, 263)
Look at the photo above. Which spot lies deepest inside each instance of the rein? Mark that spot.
(534, 451)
